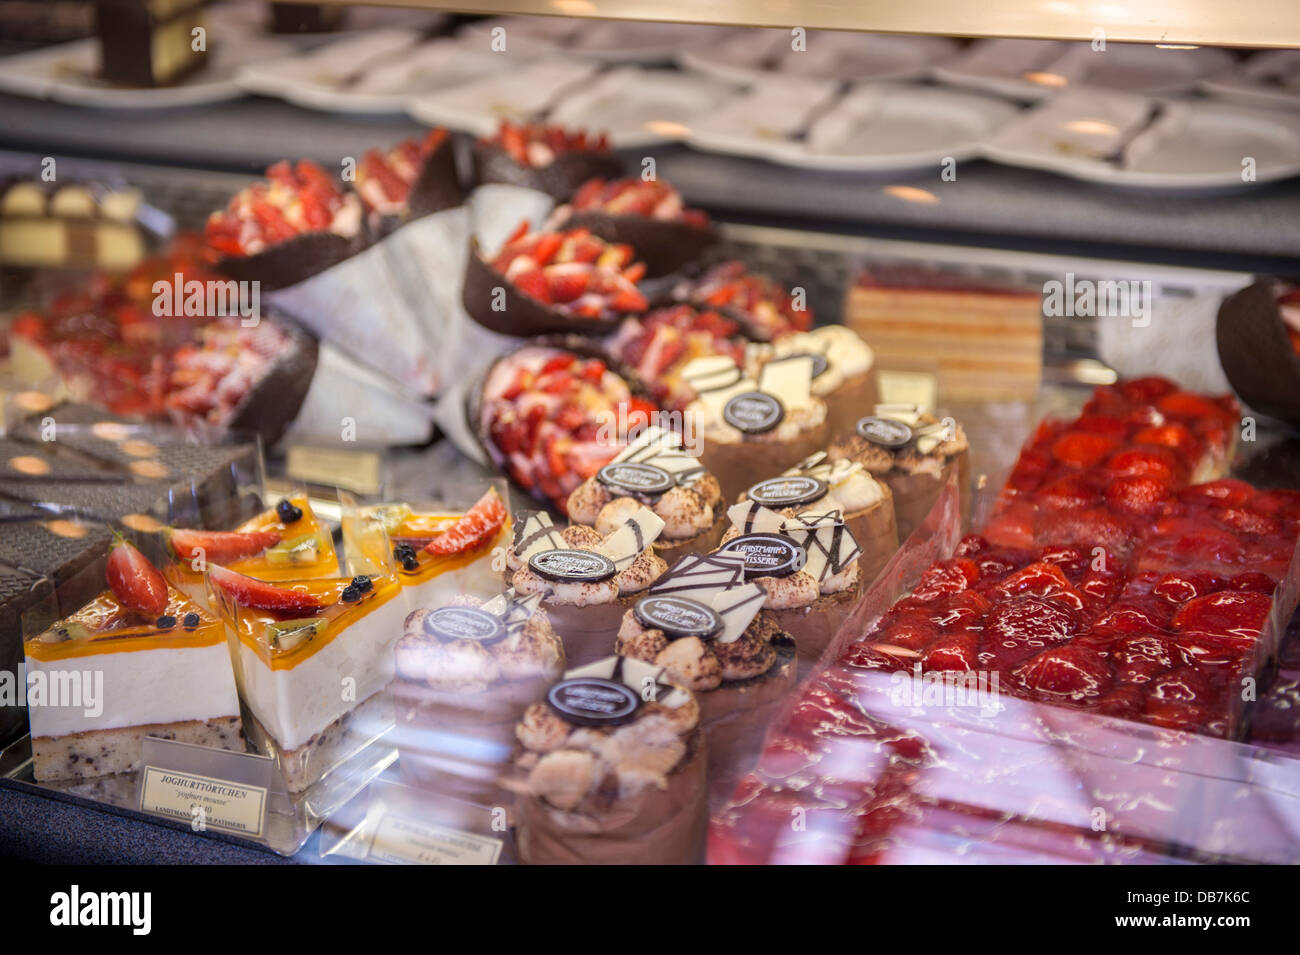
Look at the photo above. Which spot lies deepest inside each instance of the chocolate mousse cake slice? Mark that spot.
(79, 225)
(701, 623)
(611, 770)
(149, 42)
(587, 579)
(465, 673)
(655, 471)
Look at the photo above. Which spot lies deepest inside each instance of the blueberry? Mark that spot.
(350, 594)
(287, 512)
(403, 551)
(410, 563)
(165, 622)
(362, 583)
(191, 620)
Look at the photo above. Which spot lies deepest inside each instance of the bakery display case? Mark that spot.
(577, 433)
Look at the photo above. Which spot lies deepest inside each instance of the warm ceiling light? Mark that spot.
(26, 464)
(139, 449)
(1177, 46)
(912, 194)
(1092, 127)
(148, 469)
(668, 129)
(1047, 79)
(574, 7)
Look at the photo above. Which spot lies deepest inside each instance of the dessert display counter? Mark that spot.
(547, 441)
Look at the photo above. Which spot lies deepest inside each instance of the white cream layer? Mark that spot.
(167, 685)
(295, 704)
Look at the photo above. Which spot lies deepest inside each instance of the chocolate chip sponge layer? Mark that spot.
(105, 752)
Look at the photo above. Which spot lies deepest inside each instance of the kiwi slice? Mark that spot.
(390, 515)
(286, 635)
(64, 632)
(296, 550)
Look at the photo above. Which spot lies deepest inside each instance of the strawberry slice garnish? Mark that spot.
(134, 581)
(480, 524)
(221, 546)
(251, 592)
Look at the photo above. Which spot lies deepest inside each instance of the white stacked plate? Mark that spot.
(871, 127)
(1128, 140)
(377, 71)
(753, 54)
(1037, 69)
(518, 95)
(1270, 80)
(638, 107)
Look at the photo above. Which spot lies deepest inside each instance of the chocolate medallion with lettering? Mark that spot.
(768, 555)
(464, 623)
(886, 432)
(583, 566)
(592, 701)
(633, 478)
(678, 616)
(753, 412)
(787, 491)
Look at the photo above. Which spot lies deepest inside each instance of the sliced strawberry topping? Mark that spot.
(480, 524)
(251, 592)
(1229, 612)
(134, 581)
(1074, 672)
(221, 546)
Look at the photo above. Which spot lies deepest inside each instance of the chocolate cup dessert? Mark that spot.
(293, 260)
(271, 405)
(437, 187)
(1256, 354)
(588, 632)
(734, 718)
(522, 316)
(815, 625)
(663, 245)
(735, 465)
(558, 179)
(654, 827)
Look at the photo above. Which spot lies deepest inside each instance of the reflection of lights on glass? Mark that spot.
(1047, 79)
(1092, 127)
(62, 528)
(912, 194)
(668, 129)
(110, 430)
(1177, 46)
(33, 401)
(142, 522)
(574, 7)
(139, 449)
(26, 464)
(148, 469)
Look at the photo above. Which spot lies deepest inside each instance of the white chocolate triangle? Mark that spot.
(539, 534)
(737, 606)
(789, 380)
(702, 576)
(638, 532)
(751, 518)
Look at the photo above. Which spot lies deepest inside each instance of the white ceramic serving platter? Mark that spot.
(872, 127)
(638, 107)
(750, 54)
(1037, 69)
(518, 95)
(374, 72)
(68, 73)
(1190, 146)
(1270, 80)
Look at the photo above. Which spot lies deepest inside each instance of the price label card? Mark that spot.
(207, 787)
(357, 471)
(400, 840)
